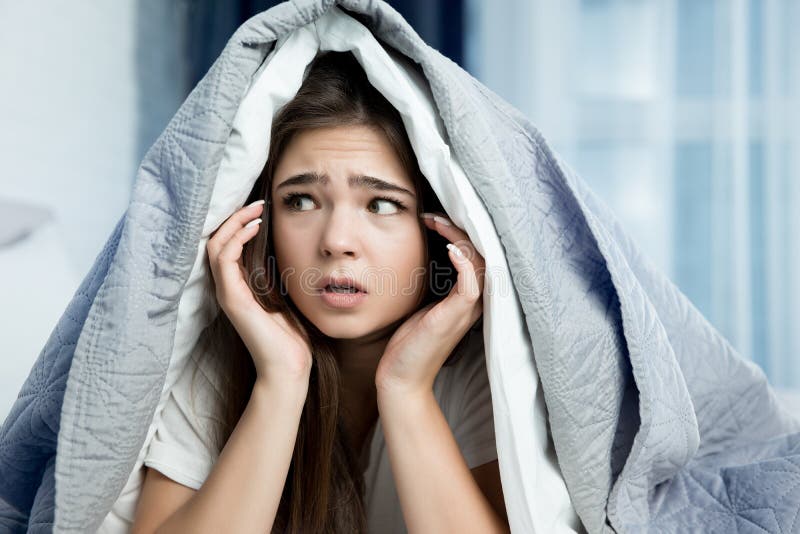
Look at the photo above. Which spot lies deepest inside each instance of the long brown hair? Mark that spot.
(324, 490)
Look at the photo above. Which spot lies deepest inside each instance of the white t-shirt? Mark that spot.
(178, 448)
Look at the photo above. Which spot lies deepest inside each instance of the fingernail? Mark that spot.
(442, 220)
(427, 215)
(256, 203)
(253, 223)
(456, 250)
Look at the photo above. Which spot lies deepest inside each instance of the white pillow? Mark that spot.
(535, 493)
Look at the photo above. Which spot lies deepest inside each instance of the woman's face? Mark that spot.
(328, 219)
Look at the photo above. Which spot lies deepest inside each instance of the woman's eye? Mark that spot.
(382, 206)
(393, 205)
(295, 202)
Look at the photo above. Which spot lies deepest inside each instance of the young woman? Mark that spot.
(342, 316)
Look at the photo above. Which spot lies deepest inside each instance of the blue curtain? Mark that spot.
(210, 23)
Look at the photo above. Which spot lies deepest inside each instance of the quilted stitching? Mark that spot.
(29, 435)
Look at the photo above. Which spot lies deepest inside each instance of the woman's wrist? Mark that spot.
(293, 389)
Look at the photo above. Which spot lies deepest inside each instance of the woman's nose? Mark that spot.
(340, 235)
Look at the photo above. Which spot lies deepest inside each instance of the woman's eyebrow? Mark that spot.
(361, 180)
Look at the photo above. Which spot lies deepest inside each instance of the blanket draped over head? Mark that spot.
(617, 406)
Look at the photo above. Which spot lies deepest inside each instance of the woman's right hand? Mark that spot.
(279, 352)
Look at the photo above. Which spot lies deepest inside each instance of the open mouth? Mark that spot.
(341, 289)
(342, 296)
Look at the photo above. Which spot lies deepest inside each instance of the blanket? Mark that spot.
(657, 424)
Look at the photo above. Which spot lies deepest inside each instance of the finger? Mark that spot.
(228, 264)
(458, 237)
(467, 287)
(457, 312)
(443, 225)
(478, 263)
(233, 224)
(454, 234)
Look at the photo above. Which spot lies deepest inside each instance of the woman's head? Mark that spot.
(333, 214)
(345, 193)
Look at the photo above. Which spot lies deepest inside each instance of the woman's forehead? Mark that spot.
(342, 153)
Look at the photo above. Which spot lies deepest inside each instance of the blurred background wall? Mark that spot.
(68, 120)
(679, 113)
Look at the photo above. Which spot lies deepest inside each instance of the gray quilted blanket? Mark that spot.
(658, 424)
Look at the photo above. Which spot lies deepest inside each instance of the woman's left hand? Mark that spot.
(419, 347)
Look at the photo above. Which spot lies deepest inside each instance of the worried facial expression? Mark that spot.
(344, 206)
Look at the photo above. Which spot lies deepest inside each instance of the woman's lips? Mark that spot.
(342, 300)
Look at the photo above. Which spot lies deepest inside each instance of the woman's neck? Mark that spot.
(358, 361)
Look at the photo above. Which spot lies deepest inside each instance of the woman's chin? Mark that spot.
(364, 327)
(344, 327)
